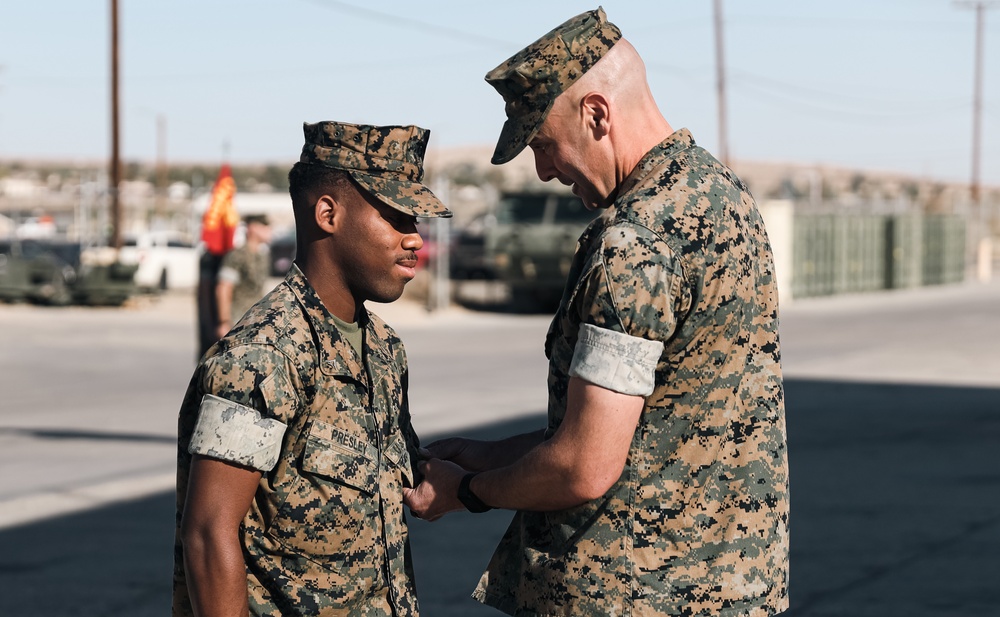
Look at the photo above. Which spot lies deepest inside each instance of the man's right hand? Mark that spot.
(470, 454)
(480, 455)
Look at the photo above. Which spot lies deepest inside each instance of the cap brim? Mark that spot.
(403, 195)
(516, 134)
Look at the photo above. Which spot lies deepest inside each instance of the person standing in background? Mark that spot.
(243, 273)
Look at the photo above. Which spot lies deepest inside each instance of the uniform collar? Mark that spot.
(669, 148)
(337, 356)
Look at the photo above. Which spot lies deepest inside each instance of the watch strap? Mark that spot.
(469, 499)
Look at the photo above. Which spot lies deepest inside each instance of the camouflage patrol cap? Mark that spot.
(532, 79)
(387, 161)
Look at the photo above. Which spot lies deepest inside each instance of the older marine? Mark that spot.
(660, 484)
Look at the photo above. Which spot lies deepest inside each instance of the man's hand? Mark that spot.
(469, 454)
(479, 455)
(437, 495)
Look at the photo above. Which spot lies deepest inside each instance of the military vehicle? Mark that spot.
(468, 260)
(56, 272)
(38, 271)
(532, 242)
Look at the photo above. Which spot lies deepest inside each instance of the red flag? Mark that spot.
(218, 224)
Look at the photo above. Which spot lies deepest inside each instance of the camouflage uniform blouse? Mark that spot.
(284, 393)
(676, 277)
(248, 271)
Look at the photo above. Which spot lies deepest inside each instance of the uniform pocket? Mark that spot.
(328, 512)
(342, 457)
(399, 455)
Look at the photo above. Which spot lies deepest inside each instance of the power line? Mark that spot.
(407, 22)
(899, 111)
(824, 22)
(827, 95)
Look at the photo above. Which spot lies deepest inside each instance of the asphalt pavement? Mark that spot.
(893, 405)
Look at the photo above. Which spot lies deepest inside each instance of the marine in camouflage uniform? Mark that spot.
(321, 419)
(246, 269)
(671, 297)
(697, 523)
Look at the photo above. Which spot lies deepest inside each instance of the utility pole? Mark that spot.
(720, 80)
(979, 6)
(116, 168)
(983, 248)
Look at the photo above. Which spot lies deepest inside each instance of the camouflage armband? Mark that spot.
(616, 361)
(236, 433)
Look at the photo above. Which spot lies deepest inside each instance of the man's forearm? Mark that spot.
(216, 575)
(224, 302)
(506, 452)
(581, 461)
(543, 479)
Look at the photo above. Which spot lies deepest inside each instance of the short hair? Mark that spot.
(306, 179)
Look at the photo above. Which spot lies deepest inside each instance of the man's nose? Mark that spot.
(412, 241)
(544, 167)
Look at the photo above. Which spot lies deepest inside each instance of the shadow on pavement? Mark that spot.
(895, 511)
(62, 434)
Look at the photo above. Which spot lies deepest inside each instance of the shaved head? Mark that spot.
(600, 128)
(621, 77)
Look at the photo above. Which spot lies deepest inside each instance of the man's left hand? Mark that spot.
(437, 495)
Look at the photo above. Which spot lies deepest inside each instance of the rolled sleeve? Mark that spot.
(236, 433)
(229, 275)
(616, 361)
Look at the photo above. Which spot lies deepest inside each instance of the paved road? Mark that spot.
(893, 417)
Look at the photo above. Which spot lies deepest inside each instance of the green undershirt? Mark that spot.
(353, 332)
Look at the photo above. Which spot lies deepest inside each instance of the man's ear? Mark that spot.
(596, 110)
(328, 213)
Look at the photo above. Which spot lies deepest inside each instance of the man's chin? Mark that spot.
(592, 203)
(385, 296)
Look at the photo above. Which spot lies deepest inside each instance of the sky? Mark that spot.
(881, 85)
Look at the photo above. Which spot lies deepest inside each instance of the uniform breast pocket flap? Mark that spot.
(399, 455)
(342, 456)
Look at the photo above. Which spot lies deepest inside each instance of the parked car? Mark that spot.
(164, 260)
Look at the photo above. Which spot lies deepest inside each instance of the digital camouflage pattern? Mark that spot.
(615, 361)
(247, 270)
(532, 79)
(386, 160)
(697, 524)
(236, 433)
(326, 533)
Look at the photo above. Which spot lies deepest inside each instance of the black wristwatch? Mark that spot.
(468, 498)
